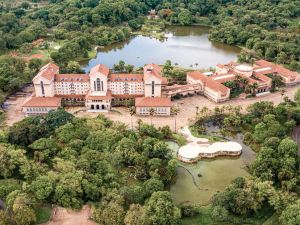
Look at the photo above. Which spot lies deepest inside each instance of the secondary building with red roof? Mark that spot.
(41, 105)
(211, 88)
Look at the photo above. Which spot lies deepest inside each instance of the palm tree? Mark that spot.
(251, 88)
(254, 87)
(132, 111)
(244, 82)
(204, 111)
(175, 111)
(151, 113)
(238, 80)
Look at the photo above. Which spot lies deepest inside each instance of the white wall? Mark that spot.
(49, 90)
(159, 111)
(64, 88)
(148, 86)
(93, 78)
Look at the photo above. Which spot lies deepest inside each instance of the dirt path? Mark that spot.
(13, 105)
(62, 216)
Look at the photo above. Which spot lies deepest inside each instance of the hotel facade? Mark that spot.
(101, 89)
(98, 90)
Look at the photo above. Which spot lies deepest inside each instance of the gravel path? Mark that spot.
(62, 216)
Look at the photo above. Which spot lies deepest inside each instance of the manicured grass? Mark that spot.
(202, 218)
(43, 214)
(209, 137)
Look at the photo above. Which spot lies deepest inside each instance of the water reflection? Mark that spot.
(184, 45)
(215, 175)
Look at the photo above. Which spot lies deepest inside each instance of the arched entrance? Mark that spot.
(102, 107)
(92, 107)
(97, 107)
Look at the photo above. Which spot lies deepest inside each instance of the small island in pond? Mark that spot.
(199, 148)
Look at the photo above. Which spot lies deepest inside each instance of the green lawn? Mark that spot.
(211, 138)
(43, 214)
(203, 218)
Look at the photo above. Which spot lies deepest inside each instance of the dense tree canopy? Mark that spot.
(70, 161)
(274, 174)
(269, 29)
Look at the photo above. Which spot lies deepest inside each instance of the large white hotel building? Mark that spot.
(98, 90)
(101, 89)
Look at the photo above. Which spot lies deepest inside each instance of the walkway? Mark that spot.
(186, 115)
(188, 109)
(62, 216)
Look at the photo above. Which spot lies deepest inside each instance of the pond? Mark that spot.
(187, 46)
(216, 175)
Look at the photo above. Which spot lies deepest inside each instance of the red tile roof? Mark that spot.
(263, 77)
(127, 96)
(285, 72)
(43, 102)
(70, 96)
(282, 71)
(100, 68)
(181, 87)
(155, 70)
(48, 71)
(264, 63)
(153, 102)
(222, 78)
(72, 78)
(229, 65)
(263, 71)
(96, 97)
(208, 82)
(122, 77)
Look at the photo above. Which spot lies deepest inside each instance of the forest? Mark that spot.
(263, 28)
(272, 188)
(124, 174)
(68, 161)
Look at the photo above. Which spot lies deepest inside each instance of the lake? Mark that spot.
(188, 46)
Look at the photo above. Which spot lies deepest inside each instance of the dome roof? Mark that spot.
(244, 68)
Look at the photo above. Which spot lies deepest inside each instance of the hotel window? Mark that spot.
(42, 87)
(152, 87)
(98, 84)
